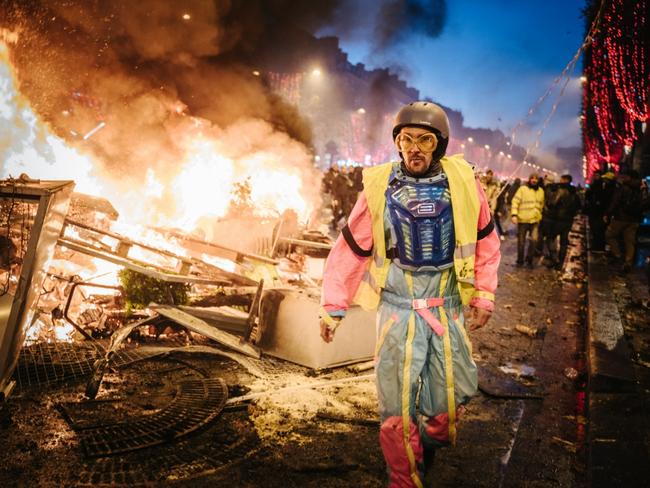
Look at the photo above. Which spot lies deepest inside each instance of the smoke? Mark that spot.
(379, 103)
(131, 82)
(398, 19)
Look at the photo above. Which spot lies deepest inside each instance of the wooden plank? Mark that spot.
(224, 313)
(200, 327)
(157, 273)
(183, 263)
(219, 250)
(305, 243)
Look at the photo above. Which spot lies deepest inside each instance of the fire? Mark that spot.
(26, 146)
(203, 185)
(178, 193)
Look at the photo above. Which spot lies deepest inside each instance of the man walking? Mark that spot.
(526, 213)
(624, 215)
(419, 244)
(562, 206)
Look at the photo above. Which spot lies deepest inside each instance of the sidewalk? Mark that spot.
(618, 360)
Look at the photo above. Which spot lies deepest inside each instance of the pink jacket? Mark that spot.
(344, 268)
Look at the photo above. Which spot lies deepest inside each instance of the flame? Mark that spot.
(56, 332)
(63, 332)
(27, 145)
(203, 185)
(199, 185)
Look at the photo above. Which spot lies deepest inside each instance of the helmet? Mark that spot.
(427, 115)
(422, 114)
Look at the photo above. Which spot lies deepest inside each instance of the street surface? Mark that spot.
(531, 425)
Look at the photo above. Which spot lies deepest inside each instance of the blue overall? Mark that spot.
(422, 377)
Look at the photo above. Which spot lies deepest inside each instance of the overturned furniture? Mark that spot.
(289, 329)
(31, 217)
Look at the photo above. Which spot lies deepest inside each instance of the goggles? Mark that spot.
(426, 143)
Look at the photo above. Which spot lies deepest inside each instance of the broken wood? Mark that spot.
(182, 268)
(200, 327)
(524, 329)
(359, 367)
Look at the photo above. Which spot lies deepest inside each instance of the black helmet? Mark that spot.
(427, 115)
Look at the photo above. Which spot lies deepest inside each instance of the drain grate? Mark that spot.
(217, 448)
(44, 363)
(196, 403)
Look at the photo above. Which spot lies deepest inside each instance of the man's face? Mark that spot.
(533, 180)
(564, 181)
(417, 162)
(488, 176)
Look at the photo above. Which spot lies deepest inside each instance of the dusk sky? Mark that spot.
(492, 61)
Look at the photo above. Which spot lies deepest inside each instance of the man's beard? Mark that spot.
(433, 168)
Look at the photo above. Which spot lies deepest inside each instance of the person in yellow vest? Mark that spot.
(491, 188)
(526, 213)
(419, 245)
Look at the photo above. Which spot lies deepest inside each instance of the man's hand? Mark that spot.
(478, 317)
(514, 219)
(327, 330)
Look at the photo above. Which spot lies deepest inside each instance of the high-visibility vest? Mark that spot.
(465, 206)
(527, 205)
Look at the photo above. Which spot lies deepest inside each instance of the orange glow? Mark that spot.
(27, 146)
(198, 184)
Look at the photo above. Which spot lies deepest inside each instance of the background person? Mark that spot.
(526, 213)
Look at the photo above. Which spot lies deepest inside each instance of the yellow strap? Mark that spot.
(331, 323)
(406, 390)
(382, 336)
(449, 365)
(406, 400)
(483, 294)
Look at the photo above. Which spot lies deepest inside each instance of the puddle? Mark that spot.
(518, 370)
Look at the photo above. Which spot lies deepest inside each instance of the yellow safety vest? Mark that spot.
(465, 207)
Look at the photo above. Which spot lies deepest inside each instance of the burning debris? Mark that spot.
(198, 254)
(109, 108)
(110, 303)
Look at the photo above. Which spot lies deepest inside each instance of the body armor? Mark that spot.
(421, 222)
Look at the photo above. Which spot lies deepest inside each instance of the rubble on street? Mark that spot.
(235, 384)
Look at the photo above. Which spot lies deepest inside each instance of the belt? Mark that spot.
(422, 306)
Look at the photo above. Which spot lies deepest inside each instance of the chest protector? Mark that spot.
(422, 222)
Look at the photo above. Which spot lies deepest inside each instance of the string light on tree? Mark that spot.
(615, 86)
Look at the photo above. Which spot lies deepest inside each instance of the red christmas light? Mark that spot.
(614, 97)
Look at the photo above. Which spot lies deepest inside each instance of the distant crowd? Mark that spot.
(342, 186)
(615, 205)
(543, 211)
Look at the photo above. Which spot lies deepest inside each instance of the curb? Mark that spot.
(615, 446)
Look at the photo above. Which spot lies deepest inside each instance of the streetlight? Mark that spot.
(361, 110)
(316, 73)
(469, 139)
